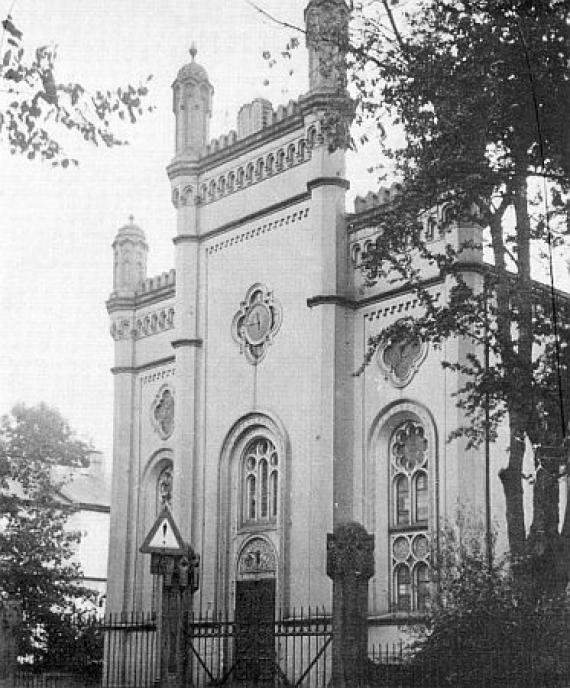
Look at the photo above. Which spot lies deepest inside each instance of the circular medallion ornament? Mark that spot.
(421, 546)
(401, 548)
(256, 322)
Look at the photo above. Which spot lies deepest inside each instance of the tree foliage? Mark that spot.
(481, 91)
(36, 110)
(485, 626)
(36, 549)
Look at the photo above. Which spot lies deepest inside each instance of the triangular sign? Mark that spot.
(164, 536)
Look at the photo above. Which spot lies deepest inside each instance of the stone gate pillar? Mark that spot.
(350, 564)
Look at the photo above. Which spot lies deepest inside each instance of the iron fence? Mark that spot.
(292, 650)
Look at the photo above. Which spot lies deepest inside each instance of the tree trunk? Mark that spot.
(512, 487)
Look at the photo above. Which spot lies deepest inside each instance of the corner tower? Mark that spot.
(327, 42)
(130, 255)
(192, 106)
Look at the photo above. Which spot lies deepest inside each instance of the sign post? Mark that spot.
(175, 560)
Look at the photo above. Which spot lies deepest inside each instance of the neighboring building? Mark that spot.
(235, 395)
(88, 489)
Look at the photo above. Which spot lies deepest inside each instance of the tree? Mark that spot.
(36, 550)
(484, 626)
(481, 91)
(35, 109)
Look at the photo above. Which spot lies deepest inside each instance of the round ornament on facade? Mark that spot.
(400, 359)
(256, 322)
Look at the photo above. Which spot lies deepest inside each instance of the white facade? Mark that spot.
(235, 395)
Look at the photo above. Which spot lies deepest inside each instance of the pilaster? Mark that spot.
(333, 315)
(121, 561)
(186, 345)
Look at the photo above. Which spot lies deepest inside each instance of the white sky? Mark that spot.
(57, 226)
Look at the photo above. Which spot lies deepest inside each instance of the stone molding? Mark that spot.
(400, 307)
(328, 181)
(259, 168)
(153, 323)
(179, 343)
(183, 195)
(121, 328)
(254, 232)
(331, 300)
(163, 374)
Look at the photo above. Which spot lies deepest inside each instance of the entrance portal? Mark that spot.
(255, 612)
(255, 629)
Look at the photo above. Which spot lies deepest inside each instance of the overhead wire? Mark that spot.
(555, 326)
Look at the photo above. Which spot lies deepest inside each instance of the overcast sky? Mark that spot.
(57, 226)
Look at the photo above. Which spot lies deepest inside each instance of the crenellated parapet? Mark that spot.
(154, 284)
(148, 291)
(259, 167)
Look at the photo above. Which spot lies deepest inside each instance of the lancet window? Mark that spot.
(409, 517)
(260, 482)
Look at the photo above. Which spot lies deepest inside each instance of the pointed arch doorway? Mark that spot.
(255, 611)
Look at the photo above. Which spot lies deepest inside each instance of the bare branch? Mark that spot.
(279, 22)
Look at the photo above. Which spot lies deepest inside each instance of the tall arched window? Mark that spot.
(409, 516)
(260, 482)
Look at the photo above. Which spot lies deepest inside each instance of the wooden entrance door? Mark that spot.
(255, 629)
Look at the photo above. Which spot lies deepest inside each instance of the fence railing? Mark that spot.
(293, 649)
(399, 666)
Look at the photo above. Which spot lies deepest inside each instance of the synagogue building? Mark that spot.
(236, 401)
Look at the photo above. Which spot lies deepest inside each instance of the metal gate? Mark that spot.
(293, 649)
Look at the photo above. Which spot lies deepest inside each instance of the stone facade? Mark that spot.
(234, 374)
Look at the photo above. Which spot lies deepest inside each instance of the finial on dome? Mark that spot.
(131, 219)
(193, 51)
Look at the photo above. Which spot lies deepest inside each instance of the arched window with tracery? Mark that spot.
(409, 516)
(260, 482)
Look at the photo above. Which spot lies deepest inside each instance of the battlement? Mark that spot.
(151, 284)
(383, 196)
(252, 118)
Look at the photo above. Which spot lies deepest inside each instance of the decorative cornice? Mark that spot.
(183, 167)
(331, 300)
(259, 168)
(398, 291)
(179, 343)
(146, 366)
(316, 102)
(185, 239)
(154, 323)
(250, 233)
(252, 142)
(120, 303)
(328, 181)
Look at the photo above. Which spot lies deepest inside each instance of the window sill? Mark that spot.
(257, 526)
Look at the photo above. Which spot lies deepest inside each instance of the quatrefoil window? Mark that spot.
(256, 322)
(163, 413)
(400, 359)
